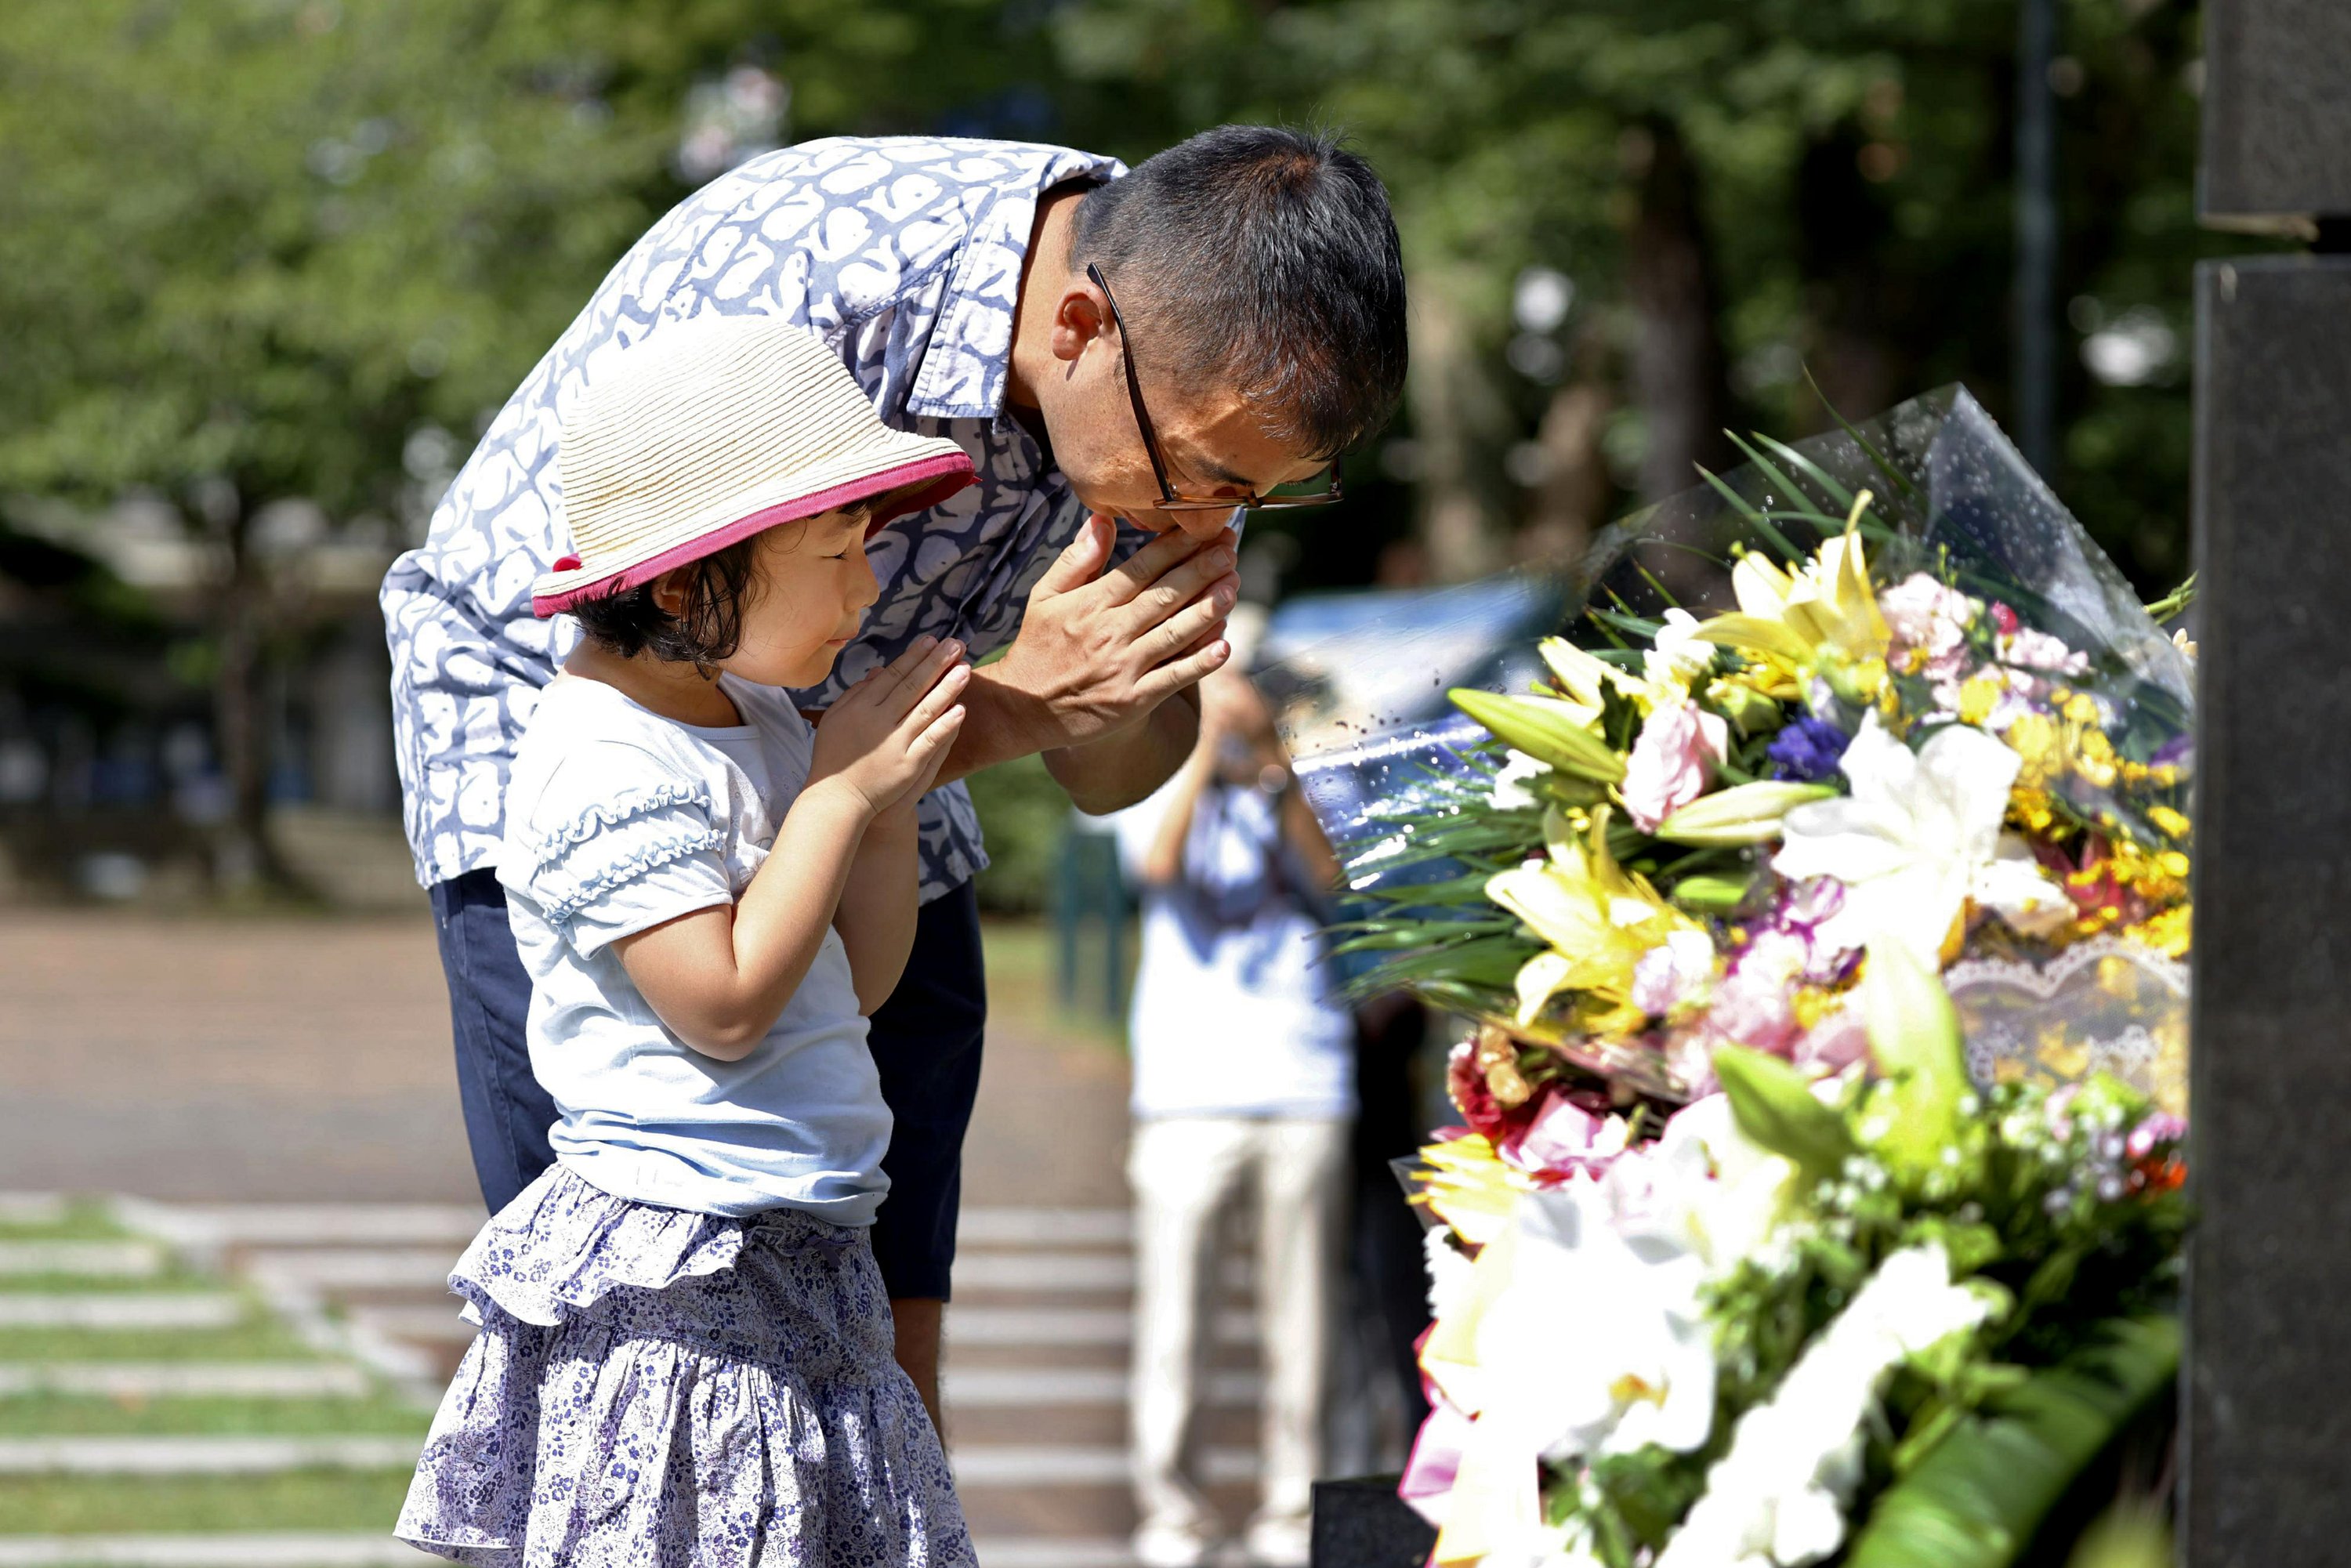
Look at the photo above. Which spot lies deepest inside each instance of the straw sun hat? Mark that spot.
(710, 430)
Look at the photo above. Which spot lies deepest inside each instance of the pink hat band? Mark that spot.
(711, 430)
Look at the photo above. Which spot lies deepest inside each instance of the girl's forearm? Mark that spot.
(783, 915)
(721, 977)
(879, 906)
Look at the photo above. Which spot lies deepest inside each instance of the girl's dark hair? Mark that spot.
(707, 629)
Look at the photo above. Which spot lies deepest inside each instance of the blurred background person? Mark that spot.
(1244, 1083)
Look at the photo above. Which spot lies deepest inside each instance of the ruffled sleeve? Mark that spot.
(617, 844)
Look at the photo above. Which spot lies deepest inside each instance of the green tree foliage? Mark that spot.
(248, 249)
(1740, 193)
(253, 251)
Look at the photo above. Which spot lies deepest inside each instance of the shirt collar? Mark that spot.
(968, 359)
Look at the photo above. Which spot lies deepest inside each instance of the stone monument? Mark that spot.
(2267, 1400)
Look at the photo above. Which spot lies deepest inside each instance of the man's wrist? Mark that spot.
(1004, 721)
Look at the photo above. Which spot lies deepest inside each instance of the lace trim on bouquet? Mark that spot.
(2108, 1005)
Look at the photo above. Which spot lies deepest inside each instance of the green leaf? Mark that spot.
(1914, 1033)
(1819, 476)
(1773, 1104)
(1541, 729)
(1977, 1500)
(2129, 1536)
(1711, 894)
(1752, 513)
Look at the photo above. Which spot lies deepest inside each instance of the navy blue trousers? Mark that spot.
(925, 1041)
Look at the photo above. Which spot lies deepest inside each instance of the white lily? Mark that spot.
(1677, 657)
(1642, 1369)
(1584, 679)
(1510, 784)
(1778, 1499)
(1919, 838)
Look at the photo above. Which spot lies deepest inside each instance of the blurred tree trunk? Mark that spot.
(247, 856)
(1572, 501)
(1679, 378)
(1455, 415)
(1849, 317)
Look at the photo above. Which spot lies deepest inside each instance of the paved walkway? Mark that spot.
(275, 1103)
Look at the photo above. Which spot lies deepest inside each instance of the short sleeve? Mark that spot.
(615, 845)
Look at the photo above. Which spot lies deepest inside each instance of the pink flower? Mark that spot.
(2035, 650)
(1436, 1455)
(1564, 1139)
(1834, 1044)
(1677, 970)
(1930, 620)
(1672, 762)
(1750, 1007)
(1466, 1081)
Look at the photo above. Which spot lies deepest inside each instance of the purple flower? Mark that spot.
(1807, 750)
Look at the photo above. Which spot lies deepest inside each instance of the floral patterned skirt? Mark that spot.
(662, 1389)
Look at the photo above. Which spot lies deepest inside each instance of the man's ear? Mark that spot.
(1081, 314)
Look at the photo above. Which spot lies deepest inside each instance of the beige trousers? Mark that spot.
(1185, 1170)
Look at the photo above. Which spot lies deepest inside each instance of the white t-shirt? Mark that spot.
(618, 820)
(1233, 1013)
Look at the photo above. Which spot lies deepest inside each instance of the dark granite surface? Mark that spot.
(2277, 108)
(1364, 1524)
(2268, 1442)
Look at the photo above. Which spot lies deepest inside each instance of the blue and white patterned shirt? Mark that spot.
(904, 254)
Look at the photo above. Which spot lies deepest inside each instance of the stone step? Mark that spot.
(1075, 1389)
(1051, 1327)
(1004, 1227)
(33, 1208)
(1051, 1552)
(329, 1269)
(221, 1225)
(1031, 1271)
(437, 1324)
(1078, 1465)
(262, 1548)
(185, 1379)
(92, 1259)
(125, 1310)
(238, 1456)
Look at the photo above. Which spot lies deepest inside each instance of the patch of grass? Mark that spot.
(170, 1279)
(85, 1219)
(258, 1339)
(64, 1416)
(1024, 982)
(299, 1500)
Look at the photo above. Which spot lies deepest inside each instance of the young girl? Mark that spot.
(684, 1356)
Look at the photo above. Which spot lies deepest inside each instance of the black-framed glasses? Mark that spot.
(1319, 491)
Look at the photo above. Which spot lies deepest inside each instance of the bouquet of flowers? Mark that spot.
(1823, 916)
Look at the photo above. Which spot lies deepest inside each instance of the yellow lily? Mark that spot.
(1583, 680)
(1598, 920)
(1467, 1187)
(1828, 604)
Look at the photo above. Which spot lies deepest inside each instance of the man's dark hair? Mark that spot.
(1264, 258)
(707, 629)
